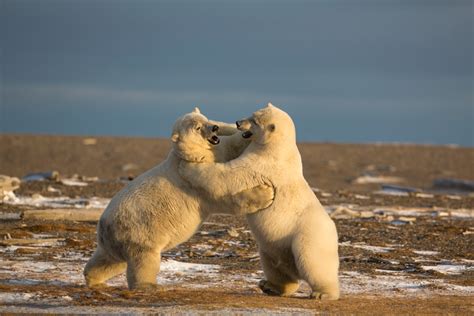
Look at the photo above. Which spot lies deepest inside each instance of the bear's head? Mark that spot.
(194, 136)
(268, 124)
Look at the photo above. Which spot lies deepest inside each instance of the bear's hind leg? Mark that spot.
(277, 282)
(143, 269)
(319, 269)
(101, 267)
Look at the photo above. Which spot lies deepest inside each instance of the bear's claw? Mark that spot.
(322, 296)
(148, 287)
(266, 288)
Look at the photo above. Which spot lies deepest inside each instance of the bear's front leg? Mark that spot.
(254, 199)
(220, 179)
(142, 270)
(225, 129)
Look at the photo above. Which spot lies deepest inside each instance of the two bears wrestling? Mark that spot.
(254, 169)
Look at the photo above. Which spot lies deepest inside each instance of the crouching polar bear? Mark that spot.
(158, 210)
(296, 237)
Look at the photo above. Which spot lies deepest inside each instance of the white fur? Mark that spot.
(159, 210)
(296, 237)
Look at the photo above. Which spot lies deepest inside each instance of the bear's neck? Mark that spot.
(193, 155)
(281, 153)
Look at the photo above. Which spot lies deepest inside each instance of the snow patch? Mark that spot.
(74, 182)
(173, 266)
(57, 202)
(426, 252)
(397, 284)
(8, 298)
(376, 249)
(368, 179)
(451, 269)
(391, 192)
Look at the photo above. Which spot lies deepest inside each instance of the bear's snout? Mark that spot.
(243, 124)
(247, 134)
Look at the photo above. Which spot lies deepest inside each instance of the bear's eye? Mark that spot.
(198, 128)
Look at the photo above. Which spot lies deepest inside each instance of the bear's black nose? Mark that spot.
(215, 128)
(237, 123)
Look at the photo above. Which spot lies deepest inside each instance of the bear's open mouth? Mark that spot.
(214, 140)
(247, 134)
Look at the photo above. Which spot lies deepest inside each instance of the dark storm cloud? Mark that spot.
(363, 70)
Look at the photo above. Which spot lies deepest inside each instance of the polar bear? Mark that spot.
(297, 239)
(159, 210)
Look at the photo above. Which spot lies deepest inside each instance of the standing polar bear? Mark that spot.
(296, 237)
(159, 210)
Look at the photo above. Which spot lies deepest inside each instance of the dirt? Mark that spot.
(330, 168)
(326, 165)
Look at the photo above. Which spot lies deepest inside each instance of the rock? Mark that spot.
(88, 179)
(366, 214)
(398, 222)
(209, 253)
(41, 176)
(233, 232)
(398, 188)
(407, 219)
(37, 196)
(73, 182)
(344, 213)
(452, 197)
(77, 180)
(380, 168)
(454, 184)
(89, 141)
(8, 185)
(403, 220)
(129, 167)
(369, 179)
(424, 195)
(53, 189)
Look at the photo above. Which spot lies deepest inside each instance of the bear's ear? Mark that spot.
(269, 105)
(271, 127)
(196, 110)
(175, 137)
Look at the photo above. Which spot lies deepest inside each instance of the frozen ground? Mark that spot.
(41, 262)
(403, 213)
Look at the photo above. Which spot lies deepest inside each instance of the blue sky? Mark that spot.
(347, 71)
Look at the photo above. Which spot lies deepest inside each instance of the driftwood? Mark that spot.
(79, 215)
(17, 241)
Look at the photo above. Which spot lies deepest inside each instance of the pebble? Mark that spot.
(129, 166)
(233, 232)
(89, 141)
(54, 190)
